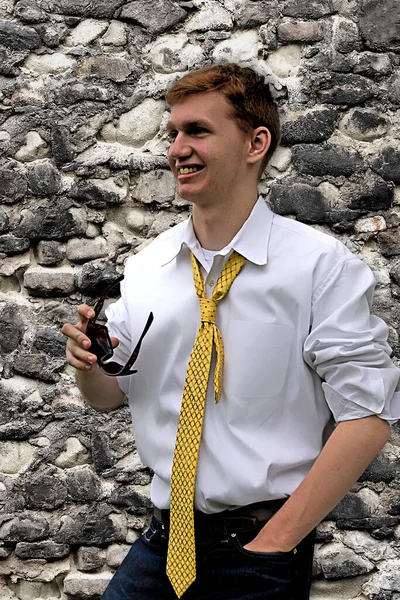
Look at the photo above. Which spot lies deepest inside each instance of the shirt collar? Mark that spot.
(251, 241)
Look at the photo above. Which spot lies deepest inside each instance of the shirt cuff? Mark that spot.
(344, 409)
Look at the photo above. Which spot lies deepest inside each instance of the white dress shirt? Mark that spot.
(301, 353)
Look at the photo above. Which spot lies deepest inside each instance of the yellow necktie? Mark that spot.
(181, 561)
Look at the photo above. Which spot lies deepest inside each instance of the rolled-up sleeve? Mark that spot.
(347, 346)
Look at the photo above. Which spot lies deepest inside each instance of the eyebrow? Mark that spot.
(188, 124)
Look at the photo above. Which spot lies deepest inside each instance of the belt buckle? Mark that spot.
(243, 523)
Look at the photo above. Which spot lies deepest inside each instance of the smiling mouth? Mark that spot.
(189, 170)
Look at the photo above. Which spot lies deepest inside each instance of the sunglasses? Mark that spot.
(101, 344)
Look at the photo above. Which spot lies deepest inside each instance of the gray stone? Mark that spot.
(30, 12)
(132, 498)
(52, 34)
(10, 61)
(26, 527)
(50, 253)
(346, 88)
(18, 37)
(394, 87)
(61, 145)
(346, 36)
(48, 282)
(304, 201)
(387, 164)
(156, 186)
(47, 550)
(44, 489)
(326, 160)
(89, 558)
(43, 179)
(51, 341)
(13, 185)
(371, 193)
(116, 554)
(314, 9)
(379, 29)
(99, 9)
(95, 195)
(101, 452)
(38, 366)
(371, 64)
(72, 93)
(83, 484)
(93, 525)
(96, 276)
(337, 562)
(163, 15)
(311, 127)
(256, 12)
(51, 220)
(4, 221)
(10, 244)
(80, 250)
(90, 586)
(11, 328)
(300, 31)
(365, 124)
(115, 68)
(389, 242)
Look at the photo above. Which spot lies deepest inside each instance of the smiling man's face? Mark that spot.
(208, 150)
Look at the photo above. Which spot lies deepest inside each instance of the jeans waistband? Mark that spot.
(252, 516)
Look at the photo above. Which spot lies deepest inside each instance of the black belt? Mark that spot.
(240, 519)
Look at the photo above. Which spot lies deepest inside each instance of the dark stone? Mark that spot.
(351, 507)
(381, 469)
(312, 127)
(10, 59)
(93, 195)
(9, 244)
(306, 9)
(366, 125)
(13, 186)
(380, 29)
(96, 276)
(29, 12)
(45, 489)
(370, 194)
(388, 164)
(11, 328)
(368, 523)
(89, 526)
(372, 65)
(61, 145)
(50, 220)
(101, 452)
(326, 159)
(4, 222)
(47, 550)
(346, 37)
(72, 93)
(131, 500)
(38, 366)
(304, 201)
(18, 37)
(389, 242)
(83, 484)
(349, 565)
(50, 253)
(395, 274)
(163, 15)
(52, 34)
(51, 341)
(27, 527)
(43, 179)
(346, 88)
(89, 558)
(98, 9)
(255, 13)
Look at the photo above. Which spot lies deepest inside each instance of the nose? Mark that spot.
(179, 147)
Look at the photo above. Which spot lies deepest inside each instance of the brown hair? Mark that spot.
(247, 92)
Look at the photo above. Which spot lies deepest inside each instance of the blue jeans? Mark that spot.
(225, 571)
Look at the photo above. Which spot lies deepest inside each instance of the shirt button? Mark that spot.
(211, 283)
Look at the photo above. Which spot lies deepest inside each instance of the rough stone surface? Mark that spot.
(47, 550)
(326, 160)
(387, 164)
(49, 282)
(312, 127)
(164, 14)
(364, 124)
(300, 31)
(90, 558)
(380, 31)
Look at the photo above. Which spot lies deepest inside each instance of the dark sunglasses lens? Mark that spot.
(101, 343)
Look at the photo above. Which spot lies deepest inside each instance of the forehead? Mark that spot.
(208, 107)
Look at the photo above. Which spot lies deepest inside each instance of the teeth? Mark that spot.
(186, 170)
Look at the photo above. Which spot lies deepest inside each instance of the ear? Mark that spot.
(259, 143)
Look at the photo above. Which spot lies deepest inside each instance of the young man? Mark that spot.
(242, 442)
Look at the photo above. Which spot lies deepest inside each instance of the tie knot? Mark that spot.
(207, 310)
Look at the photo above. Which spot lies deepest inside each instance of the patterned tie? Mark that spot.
(181, 561)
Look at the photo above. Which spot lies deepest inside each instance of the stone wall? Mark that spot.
(84, 183)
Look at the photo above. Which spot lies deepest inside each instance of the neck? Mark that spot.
(216, 225)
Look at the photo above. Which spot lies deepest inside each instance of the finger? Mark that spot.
(114, 341)
(79, 358)
(85, 314)
(74, 333)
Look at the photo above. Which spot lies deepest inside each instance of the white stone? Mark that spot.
(281, 159)
(210, 16)
(4, 136)
(241, 47)
(35, 590)
(370, 225)
(34, 570)
(115, 34)
(35, 147)
(11, 264)
(92, 231)
(387, 578)
(75, 454)
(41, 442)
(86, 584)
(396, 196)
(285, 62)
(173, 53)
(371, 499)
(15, 457)
(82, 250)
(155, 186)
(362, 543)
(87, 31)
(42, 278)
(132, 536)
(164, 220)
(6, 8)
(136, 126)
(49, 63)
(116, 554)
(139, 219)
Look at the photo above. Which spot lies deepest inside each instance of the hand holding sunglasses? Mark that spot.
(101, 344)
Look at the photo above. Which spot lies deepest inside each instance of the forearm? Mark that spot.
(349, 450)
(100, 390)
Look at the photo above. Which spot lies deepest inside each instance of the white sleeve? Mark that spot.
(118, 324)
(347, 346)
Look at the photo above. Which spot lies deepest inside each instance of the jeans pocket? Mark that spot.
(275, 557)
(154, 533)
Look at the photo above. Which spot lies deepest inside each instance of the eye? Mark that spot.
(197, 130)
(172, 135)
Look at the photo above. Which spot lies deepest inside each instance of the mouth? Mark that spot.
(191, 170)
